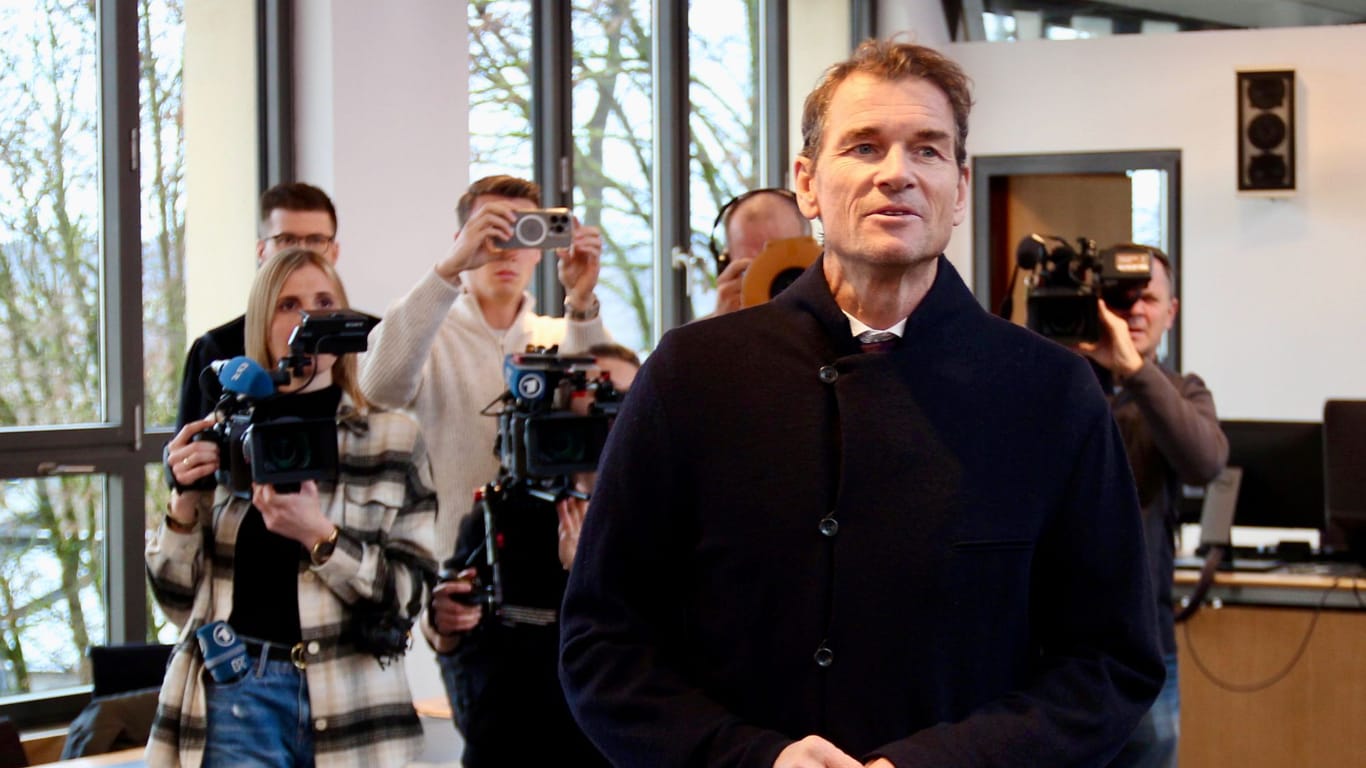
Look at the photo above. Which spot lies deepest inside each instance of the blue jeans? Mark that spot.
(1153, 743)
(261, 721)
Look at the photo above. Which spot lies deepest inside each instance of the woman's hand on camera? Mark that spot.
(298, 516)
(449, 616)
(191, 460)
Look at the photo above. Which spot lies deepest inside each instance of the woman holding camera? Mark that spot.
(296, 576)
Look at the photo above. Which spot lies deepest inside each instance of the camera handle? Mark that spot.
(485, 499)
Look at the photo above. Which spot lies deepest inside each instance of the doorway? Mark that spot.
(1109, 197)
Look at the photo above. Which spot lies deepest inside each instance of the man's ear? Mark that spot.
(803, 183)
(960, 203)
(260, 251)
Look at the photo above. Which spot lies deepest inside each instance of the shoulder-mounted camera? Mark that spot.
(1065, 283)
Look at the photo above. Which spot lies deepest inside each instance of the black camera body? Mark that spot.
(257, 444)
(553, 423)
(1066, 284)
(540, 435)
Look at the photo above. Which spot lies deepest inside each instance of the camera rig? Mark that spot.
(553, 421)
(257, 444)
(1065, 284)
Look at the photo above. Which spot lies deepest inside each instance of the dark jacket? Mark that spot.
(506, 697)
(931, 554)
(1171, 433)
(226, 341)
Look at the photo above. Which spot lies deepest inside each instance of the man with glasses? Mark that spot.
(292, 214)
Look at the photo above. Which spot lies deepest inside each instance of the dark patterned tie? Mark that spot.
(877, 341)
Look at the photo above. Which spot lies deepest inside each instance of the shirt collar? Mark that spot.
(857, 326)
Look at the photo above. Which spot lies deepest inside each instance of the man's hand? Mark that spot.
(450, 617)
(571, 511)
(728, 286)
(1115, 350)
(815, 752)
(579, 266)
(473, 247)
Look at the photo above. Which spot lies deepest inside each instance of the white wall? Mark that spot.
(381, 98)
(381, 126)
(220, 161)
(1272, 309)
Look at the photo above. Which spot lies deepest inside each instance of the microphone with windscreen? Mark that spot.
(243, 377)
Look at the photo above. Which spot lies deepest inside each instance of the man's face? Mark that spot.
(285, 229)
(758, 220)
(1153, 313)
(507, 276)
(884, 183)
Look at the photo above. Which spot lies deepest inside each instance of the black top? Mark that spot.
(226, 341)
(265, 594)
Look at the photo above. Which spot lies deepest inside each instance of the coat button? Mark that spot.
(828, 374)
(320, 724)
(313, 648)
(824, 656)
(829, 526)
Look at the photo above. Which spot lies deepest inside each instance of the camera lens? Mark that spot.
(531, 230)
(562, 443)
(287, 451)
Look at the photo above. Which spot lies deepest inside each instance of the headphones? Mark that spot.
(722, 255)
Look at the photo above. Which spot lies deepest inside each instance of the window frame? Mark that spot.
(122, 447)
(552, 71)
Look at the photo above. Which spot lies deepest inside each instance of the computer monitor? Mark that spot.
(1282, 482)
(1344, 465)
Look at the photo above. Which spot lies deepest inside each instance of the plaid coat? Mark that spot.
(384, 505)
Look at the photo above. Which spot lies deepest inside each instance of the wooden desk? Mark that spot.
(1270, 678)
(127, 758)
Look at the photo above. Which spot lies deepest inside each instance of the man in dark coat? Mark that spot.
(919, 547)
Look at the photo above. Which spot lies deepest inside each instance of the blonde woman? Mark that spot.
(288, 572)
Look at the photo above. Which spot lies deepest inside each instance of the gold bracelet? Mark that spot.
(323, 548)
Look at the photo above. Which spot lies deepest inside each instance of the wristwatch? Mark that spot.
(324, 547)
(584, 314)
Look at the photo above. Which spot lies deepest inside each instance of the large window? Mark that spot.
(614, 139)
(612, 80)
(92, 308)
(500, 89)
(723, 92)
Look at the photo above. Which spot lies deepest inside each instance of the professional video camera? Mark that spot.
(257, 443)
(1064, 284)
(552, 422)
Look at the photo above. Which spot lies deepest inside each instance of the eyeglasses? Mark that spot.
(290, 240)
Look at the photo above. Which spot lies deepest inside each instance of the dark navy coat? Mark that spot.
(932, 554)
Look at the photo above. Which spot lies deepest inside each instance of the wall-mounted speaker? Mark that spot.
(1266, 131)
